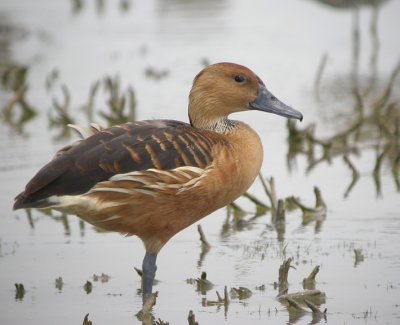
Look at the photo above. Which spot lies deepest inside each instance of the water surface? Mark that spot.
(324, 60)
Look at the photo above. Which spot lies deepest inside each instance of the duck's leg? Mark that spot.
(149, 269)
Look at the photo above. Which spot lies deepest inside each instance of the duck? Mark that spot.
(154, 178)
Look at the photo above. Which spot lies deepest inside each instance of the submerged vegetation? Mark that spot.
(372, 125)
(16, 110)
(369, 119)
(19, 291)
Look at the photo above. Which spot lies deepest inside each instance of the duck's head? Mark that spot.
(225, 88)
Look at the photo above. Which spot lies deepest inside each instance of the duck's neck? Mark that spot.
(208, 111)
(221, 125)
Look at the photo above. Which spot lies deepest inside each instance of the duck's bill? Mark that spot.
(267, 102)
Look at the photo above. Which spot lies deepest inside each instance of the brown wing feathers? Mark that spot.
(136, 146)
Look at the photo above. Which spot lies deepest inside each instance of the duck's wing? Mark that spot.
(135, 146)
(83, 133)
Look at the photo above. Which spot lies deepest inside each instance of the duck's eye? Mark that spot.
(240, 79)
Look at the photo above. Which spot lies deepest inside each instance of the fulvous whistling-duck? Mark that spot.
(154, 178)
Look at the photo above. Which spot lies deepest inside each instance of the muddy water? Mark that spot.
(330, 63)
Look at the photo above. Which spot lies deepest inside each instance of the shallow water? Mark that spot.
(284, 42)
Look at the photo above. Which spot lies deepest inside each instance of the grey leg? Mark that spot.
(149, 269)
